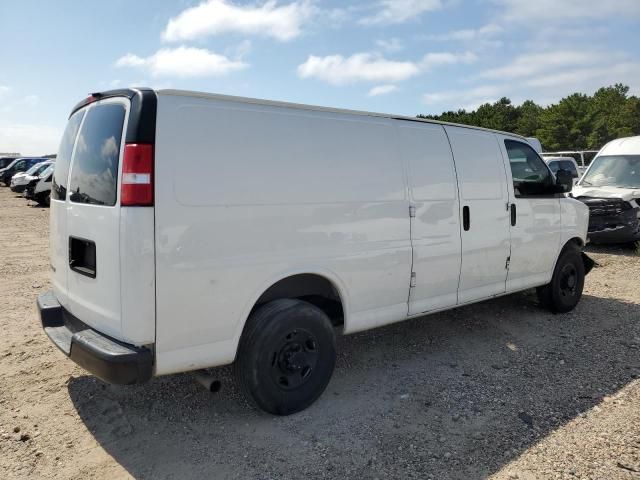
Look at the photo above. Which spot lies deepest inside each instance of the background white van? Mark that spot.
(311, 220)
(611, 189)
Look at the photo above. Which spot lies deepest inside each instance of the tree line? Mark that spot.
(577, 122)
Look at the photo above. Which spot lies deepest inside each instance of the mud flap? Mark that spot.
(588, 263)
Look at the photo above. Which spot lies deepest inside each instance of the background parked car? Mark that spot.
(39, 189)
(582, 157)
(611, 189)
(563, 163)
(5, 161)
(17, 166)
(20, 180)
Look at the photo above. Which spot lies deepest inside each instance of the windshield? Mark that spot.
(37, 168)
(621, 171)
(42, 168)
(47, 170)
(4, 162)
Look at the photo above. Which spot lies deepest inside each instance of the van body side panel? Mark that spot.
(575, 221)
(277, 191)
(137, 264)
(435, 229)
(483, 190)
(535, 240)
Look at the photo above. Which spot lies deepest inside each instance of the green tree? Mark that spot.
(528, 119)
(578, 121)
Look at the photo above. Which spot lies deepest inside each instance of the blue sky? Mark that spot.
(397, 56)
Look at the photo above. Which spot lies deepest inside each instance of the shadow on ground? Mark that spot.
(452, 395)
(624, 249)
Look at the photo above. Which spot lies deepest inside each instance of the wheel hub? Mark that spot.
(294, 360)
(568, 280)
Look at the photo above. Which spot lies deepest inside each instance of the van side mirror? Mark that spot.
(564, 180)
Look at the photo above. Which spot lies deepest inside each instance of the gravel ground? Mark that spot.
(499, 390)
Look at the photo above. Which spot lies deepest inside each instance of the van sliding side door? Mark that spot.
(483, 213)
(435, 216)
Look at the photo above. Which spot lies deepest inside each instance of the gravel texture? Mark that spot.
(501, 389)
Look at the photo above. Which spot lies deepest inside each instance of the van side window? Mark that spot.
(531, 176)
(61, 173)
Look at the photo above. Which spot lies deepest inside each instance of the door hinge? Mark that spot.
(506, 265)
(508, 206)
(412, 211)
(413, 280)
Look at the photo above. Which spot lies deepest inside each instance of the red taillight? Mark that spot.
(137, 175)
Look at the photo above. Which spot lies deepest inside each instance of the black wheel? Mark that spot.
(286, 356)
(564, 291)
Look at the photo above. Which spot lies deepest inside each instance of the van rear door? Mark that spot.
(101, 248)
(93, 217)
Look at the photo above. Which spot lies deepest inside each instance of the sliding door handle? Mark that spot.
(513, 214)
(466, 218)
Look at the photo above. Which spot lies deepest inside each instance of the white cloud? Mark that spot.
(215, 17)
(338, 70)
(183, 62)
(31, 100)
(382, 90)
(472, 34)
(431, 60)
(544, 78)
(558, 11)
(370, 67)
(390, 45)
(468, 99)
(399, 11)
(589, 78)
(29, 139)
(529, 64)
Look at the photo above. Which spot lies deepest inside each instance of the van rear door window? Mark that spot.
(94, 174)
(61, 175)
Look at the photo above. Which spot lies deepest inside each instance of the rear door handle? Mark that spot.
(466, 218)
(513, 214)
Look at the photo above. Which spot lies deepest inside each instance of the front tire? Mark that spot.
(564, 291)
(286, 356)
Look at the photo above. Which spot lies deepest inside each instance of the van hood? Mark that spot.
(625, 194)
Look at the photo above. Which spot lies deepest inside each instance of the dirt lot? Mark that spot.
(501, 389)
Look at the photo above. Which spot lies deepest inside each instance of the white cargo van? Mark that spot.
(611, 189)
(308, 221)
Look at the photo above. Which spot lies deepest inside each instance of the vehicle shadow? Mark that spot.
(453, 395)
(625, 250)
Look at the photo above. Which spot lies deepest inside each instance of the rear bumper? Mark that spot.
(106, 358)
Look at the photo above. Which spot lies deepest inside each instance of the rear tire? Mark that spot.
(564, 291)
(286, 356)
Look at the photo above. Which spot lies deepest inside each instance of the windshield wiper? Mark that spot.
(584, 182)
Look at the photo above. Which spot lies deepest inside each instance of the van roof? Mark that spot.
(301, 106)
(622, 146)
